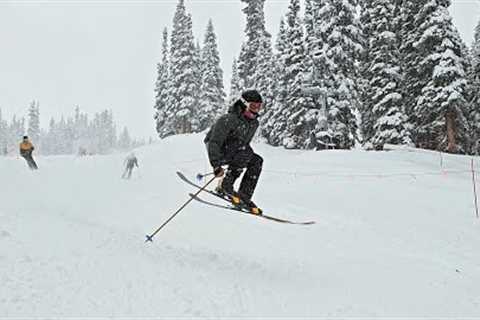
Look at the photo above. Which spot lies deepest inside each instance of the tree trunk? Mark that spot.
(451, 132)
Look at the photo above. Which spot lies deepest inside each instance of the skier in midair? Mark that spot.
(228, 144)
(26, 149)
(130, 162)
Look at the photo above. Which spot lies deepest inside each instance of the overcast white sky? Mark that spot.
(103, 54)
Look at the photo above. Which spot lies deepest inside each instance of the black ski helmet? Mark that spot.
(252, 96)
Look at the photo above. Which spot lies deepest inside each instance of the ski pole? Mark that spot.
(200, 176)
(149, 238)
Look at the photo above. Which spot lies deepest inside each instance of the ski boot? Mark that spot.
(245, 203)
(225, 185)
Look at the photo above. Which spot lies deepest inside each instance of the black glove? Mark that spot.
(218, 172)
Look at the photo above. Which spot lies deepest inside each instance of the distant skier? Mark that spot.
(130, 162)
(26, 149)
(228, 143)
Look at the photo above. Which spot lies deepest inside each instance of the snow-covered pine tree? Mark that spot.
(3, 135)
(110, 130)
(365, 89)
(49, 141)
(474, 92)
(34, 122)
(197, 76)
(125, 141)
(280, 80)
(255, 31)
(441, 108)
(407, 34)
(298, 111)
(97, 133)
(212, 94)
(182, 117)
(62, 136)
(70, 135)
(274, 121)
(265, 72)
(313, 42)
(384, 120)
(314, 37)
(338, 62)
(162, 90)
(76, 124)
(397, 20)
(315, 79)
(235, 85)
(311, 12)
(80, 130)
(17, 130)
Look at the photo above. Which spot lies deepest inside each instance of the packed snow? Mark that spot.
(396, 236)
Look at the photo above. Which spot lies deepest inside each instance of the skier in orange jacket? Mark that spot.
(26, 149)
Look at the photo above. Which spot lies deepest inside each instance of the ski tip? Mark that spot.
(148, 238)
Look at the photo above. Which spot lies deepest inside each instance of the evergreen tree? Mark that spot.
(212, 94)
(275, 119)
(62, 142)
(199, 67)
(441, 107)
(314, 41)
(162, 90)
(281, 79)
(3, 135)
(410, 57)
(76, 124)
(384, 120)
(474, 93)
(235, 85)
(67, 135)
(80, 142)
(366, 8)
(16, 130)
(311, 13)
(125, 141)
(299, 111)
(183, 116)
(265, 71)
(249, 60)
(338, 61)
(50, 142)
(34, 122)
(110, 131)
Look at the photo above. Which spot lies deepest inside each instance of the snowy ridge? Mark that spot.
(72, 238)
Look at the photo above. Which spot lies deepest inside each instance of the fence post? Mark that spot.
(474, 189)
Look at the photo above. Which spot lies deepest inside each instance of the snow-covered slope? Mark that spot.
(394, 237)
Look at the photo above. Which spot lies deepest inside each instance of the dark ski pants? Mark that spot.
(244, 158)
(128, 172)
(31, 163)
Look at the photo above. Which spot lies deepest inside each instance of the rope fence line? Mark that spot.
(366, 175)
(314, 174)
(435, 153)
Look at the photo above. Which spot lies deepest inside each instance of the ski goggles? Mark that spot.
(254, 107)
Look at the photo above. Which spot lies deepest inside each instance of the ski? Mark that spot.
(193, 184)
(231, 207)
